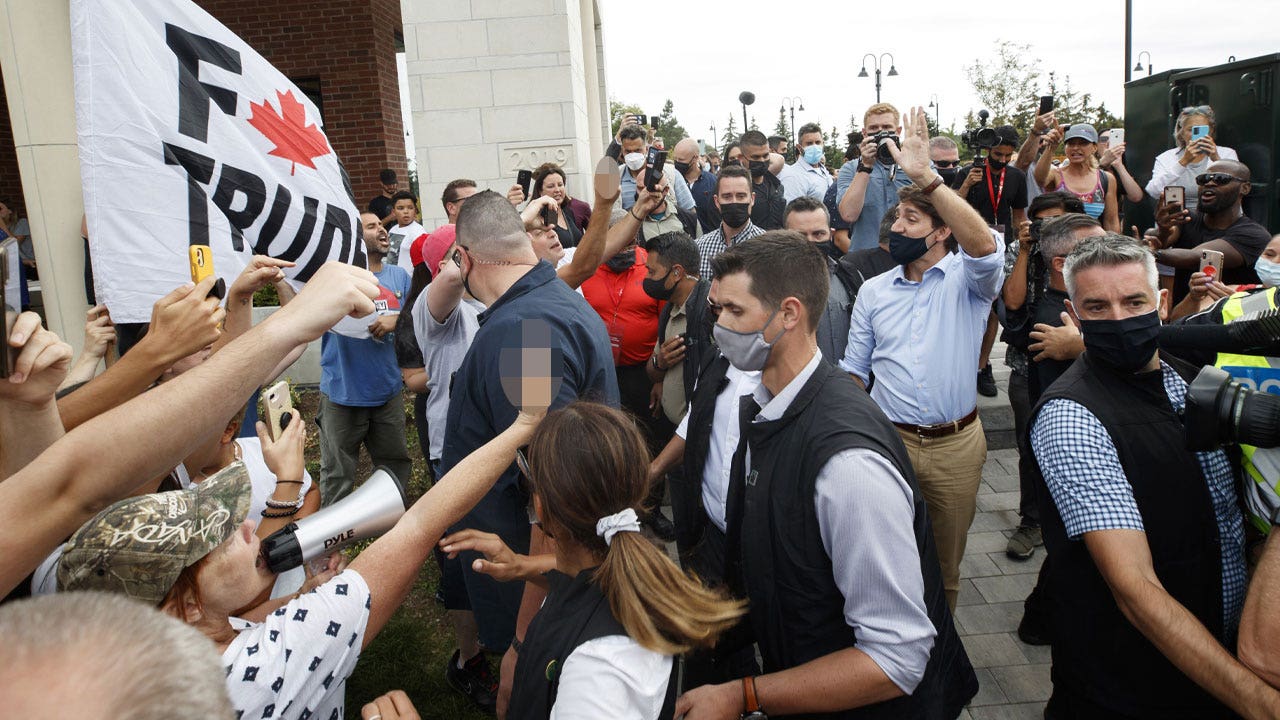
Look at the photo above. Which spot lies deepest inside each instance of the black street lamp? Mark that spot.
(937, 111)
(714, 138)
(746, 97)
(1138, 67)
(878, 62)
(792, 102)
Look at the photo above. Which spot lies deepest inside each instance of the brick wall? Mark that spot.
(350, 45)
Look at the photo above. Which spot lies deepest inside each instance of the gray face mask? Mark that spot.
(746, 351)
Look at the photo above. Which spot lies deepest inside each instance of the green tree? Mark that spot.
(831, 148)
(669, 128)
(617, 110)
(1007, 86)
(730, 133)
(754, 126)
(783, 128)
(1071, 107)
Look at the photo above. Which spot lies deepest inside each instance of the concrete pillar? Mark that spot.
(36, 60)
(498, 86)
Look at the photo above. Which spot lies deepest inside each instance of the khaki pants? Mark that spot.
(949, 470)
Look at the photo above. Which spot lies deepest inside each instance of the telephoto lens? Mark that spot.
(1223, 411)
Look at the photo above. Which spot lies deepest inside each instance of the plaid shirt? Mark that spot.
(1088, 484)
(712, 244)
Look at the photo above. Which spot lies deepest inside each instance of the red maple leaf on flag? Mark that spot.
(295, 140)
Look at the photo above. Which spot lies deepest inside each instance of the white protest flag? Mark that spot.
(189, 137)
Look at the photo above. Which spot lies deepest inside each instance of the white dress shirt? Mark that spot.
(724, 442)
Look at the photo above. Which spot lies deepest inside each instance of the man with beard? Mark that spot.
(734, 200)
(1219, 223)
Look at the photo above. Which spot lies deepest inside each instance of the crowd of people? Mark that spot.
(788, 355)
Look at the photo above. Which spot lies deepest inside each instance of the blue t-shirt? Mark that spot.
(364, 372)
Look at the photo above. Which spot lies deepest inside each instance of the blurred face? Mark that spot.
(553, 186)
(1113, 292)
(812, 225)
(879, 123)
(1079, 150)
(546, 244)
(405, 211)
(375, 235)
(234, 573)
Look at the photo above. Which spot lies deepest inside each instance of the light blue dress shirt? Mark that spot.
(675, 182)
(801, 178)
(922, 339)
(882, 194)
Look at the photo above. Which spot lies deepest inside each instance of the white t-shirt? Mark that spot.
(613, 677)
(264, 481)
(295, 664)
(401, 240)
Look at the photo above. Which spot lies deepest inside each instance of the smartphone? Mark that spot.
(1046, 104)
(1211, 263)
(200, 258)
(1117, 136)
(524, 179)
(1174, 195)
(548, 216)
(641, 119)
(1199, 131)
(11, 280)
(279, 405)
(653, 121)
(657, 159)
(702, 148)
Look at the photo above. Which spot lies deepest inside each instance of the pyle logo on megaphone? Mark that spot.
(339, 538)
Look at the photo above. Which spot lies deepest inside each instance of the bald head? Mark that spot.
(1232, 167)
(685, 151)
(490, 227)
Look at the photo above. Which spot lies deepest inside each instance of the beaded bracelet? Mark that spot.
(289, 513)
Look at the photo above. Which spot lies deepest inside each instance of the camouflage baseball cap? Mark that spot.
(140, 545)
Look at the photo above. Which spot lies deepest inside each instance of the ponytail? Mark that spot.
(662, 608)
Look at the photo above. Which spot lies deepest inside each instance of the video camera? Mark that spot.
(1221, 411)
(980, 138)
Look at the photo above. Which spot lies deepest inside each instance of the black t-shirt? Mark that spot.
(770, 202)
(382, 206)
(1245, 235)
(1013, 195)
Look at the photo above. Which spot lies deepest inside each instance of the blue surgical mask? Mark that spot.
(1268, 272)
(813, 154)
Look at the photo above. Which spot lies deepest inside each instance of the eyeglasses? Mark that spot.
(523, 479)
(947, 163)
(1197, 110)
(1217, 178)
(457, 257)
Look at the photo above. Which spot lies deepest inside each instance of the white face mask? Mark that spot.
(634, 161)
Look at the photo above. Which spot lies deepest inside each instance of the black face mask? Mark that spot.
(828, 247)
(1122, 345)
(758, 168)
(995, 164)
(948, 175)
(621, 261)
(905, 249)
(682, 168)
(656, 287)
(734, 214)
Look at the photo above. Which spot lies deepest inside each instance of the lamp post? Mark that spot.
(792, 102)
(1138, 67)
(937, 112)
(746, 97)
(714, 138)
(878, 63)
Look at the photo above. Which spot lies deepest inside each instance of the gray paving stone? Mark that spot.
(989, 692)
(975, 565)
(1024, 683)
(999, 501)
(993, 650)
(964, 715)
(1003, 454)
(1021, 711)
(1009, 566)
(969, 594)
(985, 542)
(991, 618)
(1035, 654)
(992, 467)
(1002, 482)
(1006, 588)
(992, 521)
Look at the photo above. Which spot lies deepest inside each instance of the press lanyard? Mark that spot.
(995, 195)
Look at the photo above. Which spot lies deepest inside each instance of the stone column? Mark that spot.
(498, 86)
(36, 61)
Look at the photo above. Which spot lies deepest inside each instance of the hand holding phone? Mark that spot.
(279, 404)
(1199, 131)
(656, 161)
(1116, 137)
(200, 258)
(1211, 263)
(10, 280)
(524, 178)
(1046, 104)
(1174, 195)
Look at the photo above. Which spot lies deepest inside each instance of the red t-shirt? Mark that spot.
(629, 314)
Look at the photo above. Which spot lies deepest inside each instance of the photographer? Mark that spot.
(634, 143)
(867, 188)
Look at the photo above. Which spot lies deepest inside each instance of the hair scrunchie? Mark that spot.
(625, 521)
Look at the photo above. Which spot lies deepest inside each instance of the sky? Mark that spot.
(701, 54)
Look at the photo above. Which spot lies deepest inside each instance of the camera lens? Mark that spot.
(1220, 410)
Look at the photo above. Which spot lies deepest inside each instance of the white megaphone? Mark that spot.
(371, 510)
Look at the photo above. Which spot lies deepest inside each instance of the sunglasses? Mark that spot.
(522, 478)
(947, 163)
(1197, 110)
(1217, 178)
(456, 257)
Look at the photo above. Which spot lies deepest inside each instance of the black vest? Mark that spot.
(698, 322)
(1098, 655)
(1043, 373)
(797, 611)
(687, 512)
(575, 612)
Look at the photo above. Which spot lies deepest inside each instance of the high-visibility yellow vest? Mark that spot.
(1261, 487)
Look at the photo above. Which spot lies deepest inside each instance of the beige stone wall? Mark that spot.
(497, 86)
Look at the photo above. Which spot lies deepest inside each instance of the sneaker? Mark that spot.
(1023, 542)
(661, 526)
(475, 680)
(987, 382)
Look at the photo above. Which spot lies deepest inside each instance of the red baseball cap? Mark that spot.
(431, 248)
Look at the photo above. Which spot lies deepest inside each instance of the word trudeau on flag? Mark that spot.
(189, 137)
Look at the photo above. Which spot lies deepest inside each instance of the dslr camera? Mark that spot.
(980, 138)
(882, 148)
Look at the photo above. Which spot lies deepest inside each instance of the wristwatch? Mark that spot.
(864, 168)
(750, 703)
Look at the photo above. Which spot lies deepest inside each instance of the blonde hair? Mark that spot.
(590, 461)
(881, 109)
